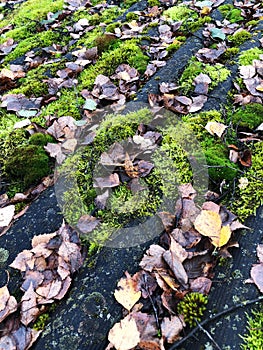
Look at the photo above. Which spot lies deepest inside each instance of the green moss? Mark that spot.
(244, 206)
(9, 142)
(42, 39)
(69, 104)
(246, 57)
(39, 139)
(131, 16)
(176, 44)
(128, 52)
(7, 121)
(250, 116)
(192, 307)
(27, 165)
(111, 27)
(217, 73)
(253, 339)
(105, 42)
(231, 13)
(230, 53)
(152, 3)
(239, 37)
(180, 13)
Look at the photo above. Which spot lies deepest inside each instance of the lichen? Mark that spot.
(4, 255)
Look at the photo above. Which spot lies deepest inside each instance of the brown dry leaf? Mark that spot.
(178, 250)
(110, 181)
(153, 258)
(29, 309)
(224, 250)
(187, 191)
(167, 220)
(127, 294)
(42, 239)
(168, 279)
(216, 128)
(176, 266)
(236, 225)
(8, 303)
(21, 338)
(201, 285)
(171, 328)
(146, 283)
(146, 325)
(24, 260)
(87, 223)
(124, 335)
(211, 206)
(256, 274)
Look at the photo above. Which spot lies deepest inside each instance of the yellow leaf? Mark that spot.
(223, 237)
(127, 294)
(124, 335)
(205, 10)
(208, 223)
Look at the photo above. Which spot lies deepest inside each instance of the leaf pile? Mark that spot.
(182, 263)
(47, 274)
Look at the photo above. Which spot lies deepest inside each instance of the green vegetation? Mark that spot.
(246, 57)
(27, 166)
(180, 13)
(128, 51)
(152, 3)
(192, 307)
(249, 116)
(253, 339)
(176, 43)
(217, 73)
(131, 16)
(69, 104)
(239, 37)
(232, 14)
(243, 206)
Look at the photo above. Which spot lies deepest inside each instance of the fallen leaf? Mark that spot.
(87, 223)
(29, 309)
(6, 215)
(260, 253)
(127, 293)
(110, 181)
(208, 223)
(201, 285)
(8, 303)
(153, 258)
(256, 274)
(176, 266)
(124, 335)
(215, 128)
(171, 328)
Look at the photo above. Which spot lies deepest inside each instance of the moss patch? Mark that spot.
(249, 116)
(246, 57)
(253, 339)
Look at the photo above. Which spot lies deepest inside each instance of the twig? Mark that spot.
(154, 308)
(208, 335)
(213, 317)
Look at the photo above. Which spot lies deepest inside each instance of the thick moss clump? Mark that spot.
(39, 139)
(27, 165)
(249, 116)
(192, 307)
(240, 37)
(253, 339)
(246, 57)
(231, 13)
(217, 73)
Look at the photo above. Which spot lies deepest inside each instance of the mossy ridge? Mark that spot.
(128, 51)
(253, 339)
(249, 198)
(217, 73)
(123, 205)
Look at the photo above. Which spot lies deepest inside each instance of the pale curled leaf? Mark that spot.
(6, 215)
(171, 328)
(257, 276)
(127, 293)
(124, 335)
(216, 128)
